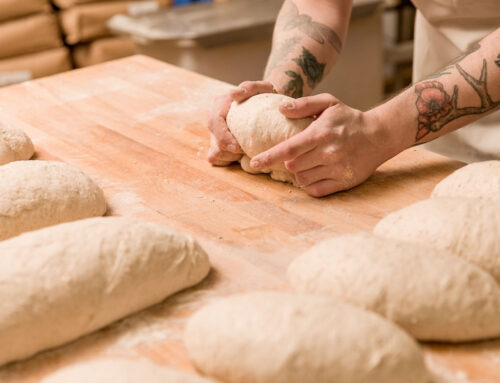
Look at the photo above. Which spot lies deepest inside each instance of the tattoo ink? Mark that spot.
(294, 88)
(497, 61)
(436, 107)
(311, 67)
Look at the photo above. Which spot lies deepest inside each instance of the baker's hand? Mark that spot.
(338, 151)
(224, 148)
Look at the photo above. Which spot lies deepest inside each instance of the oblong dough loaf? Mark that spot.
(35, 194)
(64, 281)
(477, 180)
(258, 125)
(273, 337)
(467, 227)
(122, 371)
(432, 294)
(15, 145)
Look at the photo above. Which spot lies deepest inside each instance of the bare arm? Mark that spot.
(307, 40)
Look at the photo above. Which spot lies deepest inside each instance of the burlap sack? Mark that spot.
(10, 9)
(102, 50)
(87, 22)
(38, 64)
(29, 35)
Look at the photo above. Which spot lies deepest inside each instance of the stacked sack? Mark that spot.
(84, 24)
(30, 41)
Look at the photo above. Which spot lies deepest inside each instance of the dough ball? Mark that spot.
(15, 145)
(477, 180)
(35, 194)
(258, 125)
(121, 371)
(275, 337)
(466, 227)
(432, 294)
(64, 281)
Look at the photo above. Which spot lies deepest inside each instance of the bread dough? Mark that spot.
(64, 281)
(477, 180)
(467, 227)
(122, 371)
(35, 194)
(432, 294)
(277, 337)
(258, 125)
(15, 145)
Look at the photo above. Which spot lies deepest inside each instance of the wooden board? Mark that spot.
(139, 128)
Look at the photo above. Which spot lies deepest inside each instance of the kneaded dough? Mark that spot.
(258, 125)
(477, 180)
(467, 227)
(277, 337)
(432, 294)
(122, 371)
(64, 281)
(15, 145)
(35, 194)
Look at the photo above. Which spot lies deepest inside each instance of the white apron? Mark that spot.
(444, 29)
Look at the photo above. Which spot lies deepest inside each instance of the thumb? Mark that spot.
(308, 106)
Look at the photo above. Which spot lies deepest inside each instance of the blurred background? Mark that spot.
(225, 39)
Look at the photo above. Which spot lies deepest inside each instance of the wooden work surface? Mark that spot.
(139, 128)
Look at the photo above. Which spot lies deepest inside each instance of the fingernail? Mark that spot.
(255, 164)
(288, 105)
(240, 90)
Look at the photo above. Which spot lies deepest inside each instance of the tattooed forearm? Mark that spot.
(317, 31)
(436, 107)
(311, 67)
(446, 69)
(294, 88)
(279, 53)
(497, 61)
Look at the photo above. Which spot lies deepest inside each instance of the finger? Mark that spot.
(308, 106)
(248, 89)
(288, 150)
(324, 187)
(305, 161)
(311, 176)
(218, 126)
(217, 156)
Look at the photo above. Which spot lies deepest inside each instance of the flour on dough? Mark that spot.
(67, 280)
(15, 145)
(477, 180)
(35, 194)
(121, 371)
(466, 227)
(258, 125)
(432, 294)
(276, 337)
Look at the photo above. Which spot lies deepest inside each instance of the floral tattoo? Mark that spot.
(311, 67)
(436, 107)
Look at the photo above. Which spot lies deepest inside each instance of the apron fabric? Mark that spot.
(444, 29)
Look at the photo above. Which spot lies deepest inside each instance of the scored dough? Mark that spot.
(477, 180)
(64, 281)
(15, 145)
(274, 337)
(122, 371)
(258, 125)
(432, 294)
(467, 227)
(35, 194)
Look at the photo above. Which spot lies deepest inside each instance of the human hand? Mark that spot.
(338, 151)
(224, 149)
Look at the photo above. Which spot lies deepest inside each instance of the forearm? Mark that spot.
(307, 39)
(466, 90)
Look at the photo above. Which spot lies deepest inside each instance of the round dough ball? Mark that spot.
(67, 280)
(466, 227)
(15, 145)
(121, 371)
(432, 294)
(258, 125)
(477, 180)
(35, 194)
(276, 337)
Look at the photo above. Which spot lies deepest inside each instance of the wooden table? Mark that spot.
(138, 127)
